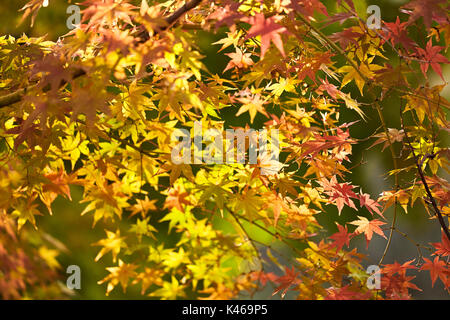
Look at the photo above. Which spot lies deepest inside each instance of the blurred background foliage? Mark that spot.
(370, 165)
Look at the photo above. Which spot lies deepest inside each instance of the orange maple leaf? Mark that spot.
(268, 29)
(368, 227)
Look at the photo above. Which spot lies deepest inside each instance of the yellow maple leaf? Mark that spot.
(114, 242)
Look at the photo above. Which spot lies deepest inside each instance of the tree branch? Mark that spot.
(17, 96)
(437, 212)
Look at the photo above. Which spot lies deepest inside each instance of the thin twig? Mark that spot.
(424, 182)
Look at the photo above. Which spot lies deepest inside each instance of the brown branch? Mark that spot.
(17, 96)
(170, 20)
(14, 97)
(182, 10)
(437, 212)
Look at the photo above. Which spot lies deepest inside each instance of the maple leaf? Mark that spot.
(351, 103)
(106, 12)
(368, 227)
(85, 100)
(397, 34)
(429, 10)
(370, 204)
(233, 38)
(25, 211)
(277, 204)
(286, 281)
(395, 135)
(114, 242)
(443, 247)
(345, 293)
(252, 104)
(339, 193)
(341, 238)
(263, 277)
(149, 277)
(170, 290)
(352, 74)
(31, 8)
(118, 40)
(250, 203)
(238, 60)
(216, 190)
(433, 58)
(143, 206)
(143, 228)
(26, 132)
(267, 165)
(51, 68)
(226, 14)
(437, 268)
(340, 17)
(391, 269)
(308, 7)
(120, 274)
(332, 90)
(391, 76)
(287, 85)
(346, 37)
(268, 29)
(176, 170)
(58, 184)
(49, 256)
(394, 281)
(176, 198)
(319, 143)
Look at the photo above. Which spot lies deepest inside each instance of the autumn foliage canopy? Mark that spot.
(97, 109)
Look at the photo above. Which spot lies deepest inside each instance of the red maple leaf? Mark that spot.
(268, 29)
(345, 293)
(263, 277)
(397, 34)
(342, 237)
(332, 90)
(370, 204)
(51, 68)
(226, 14)
(101, 12)
(394, 281)
(313, 147)
(443, 247)
(391, 269)
(437, 268)
(339, 193)
(289, 279)
(396, 286)
(432, 58)
(427, 9)
(308, 7)
(347, 36)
